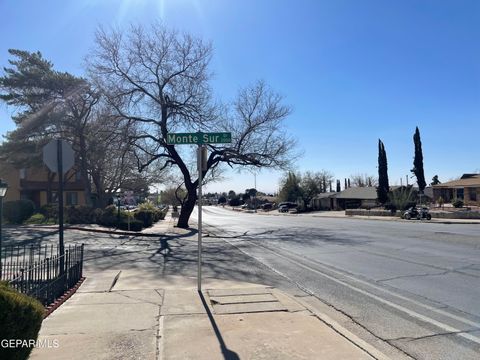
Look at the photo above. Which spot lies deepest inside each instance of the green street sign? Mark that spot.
(199, 138)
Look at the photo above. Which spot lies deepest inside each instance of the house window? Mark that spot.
(473, 194)
(23, 173)
(78, 176)
(72, 198)
(460, 194)
(54, 197)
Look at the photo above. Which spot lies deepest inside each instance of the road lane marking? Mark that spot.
(387, 302)
(346, 275)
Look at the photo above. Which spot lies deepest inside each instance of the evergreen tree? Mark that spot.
(383, 185)
(435, 181)
(418, 161)
(290, 188)
(338, 186)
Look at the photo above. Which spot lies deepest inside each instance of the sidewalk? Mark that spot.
(146, 316)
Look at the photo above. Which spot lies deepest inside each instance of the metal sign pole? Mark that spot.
(200, 173)
(60, 204)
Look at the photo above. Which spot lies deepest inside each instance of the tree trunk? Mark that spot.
(187, 208)
(84, 172)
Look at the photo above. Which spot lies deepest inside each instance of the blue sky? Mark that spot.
(353, 71)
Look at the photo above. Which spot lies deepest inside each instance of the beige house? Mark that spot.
(41, 186)
(467, 189)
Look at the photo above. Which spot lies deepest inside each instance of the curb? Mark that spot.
(342, 331)
(54, 306)
(127, 233)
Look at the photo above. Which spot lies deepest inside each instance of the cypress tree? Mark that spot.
(418, 161)
(383, 185)
(338, 186)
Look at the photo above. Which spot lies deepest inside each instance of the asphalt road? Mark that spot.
(412, 285)
(411, 289)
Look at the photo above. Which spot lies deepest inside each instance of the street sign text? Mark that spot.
(199, 138)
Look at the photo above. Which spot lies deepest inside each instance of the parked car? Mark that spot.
(283, 208)
(267, 206)
(417, 213)
(288, 204)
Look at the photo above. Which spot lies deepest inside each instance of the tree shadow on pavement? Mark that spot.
(227, 354)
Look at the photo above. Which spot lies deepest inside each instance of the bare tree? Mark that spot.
(159, 80)
(363, 180)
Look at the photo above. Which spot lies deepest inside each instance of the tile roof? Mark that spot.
(471, 181)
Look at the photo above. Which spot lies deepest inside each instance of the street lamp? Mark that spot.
(3, 191)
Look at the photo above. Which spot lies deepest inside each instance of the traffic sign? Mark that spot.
(199, 138)
(50, 156)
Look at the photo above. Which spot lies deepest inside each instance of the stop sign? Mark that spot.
(50, 155)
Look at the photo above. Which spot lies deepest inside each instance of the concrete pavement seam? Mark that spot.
(159, 343)
(373, 349)
(304, 289)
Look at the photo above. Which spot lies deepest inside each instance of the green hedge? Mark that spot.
(135, 225)
(16, 212)
(36, 219)
(149, 214)
(109, 216)
(80, 215)
(50, 211)
(20, 318)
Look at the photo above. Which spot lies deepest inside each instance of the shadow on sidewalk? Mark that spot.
(227, 354)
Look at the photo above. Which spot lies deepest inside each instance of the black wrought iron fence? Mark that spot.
(15, 258)
(44, 277)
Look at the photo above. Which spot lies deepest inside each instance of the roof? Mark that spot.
(361, 193)
(326, 195)
(470, 180)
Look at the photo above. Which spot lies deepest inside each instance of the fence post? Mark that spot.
(22, 282)
(81, 261)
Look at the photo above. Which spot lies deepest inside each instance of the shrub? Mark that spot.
(401, 199)
(457, 203)
(440, 201)
(148, 213)
(109, 216)
(146, 217)
(162, 214)
(135, 225)
(80, 215)
(36, 219)
(16, 212)
(97, 215)
(50, 211)
(21, 317)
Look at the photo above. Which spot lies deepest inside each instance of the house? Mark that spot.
(324, 201)
(357, 197)
(40, 185)
(467, 189)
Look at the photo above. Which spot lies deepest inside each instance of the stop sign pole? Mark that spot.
(60, 205)
(59, 158)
